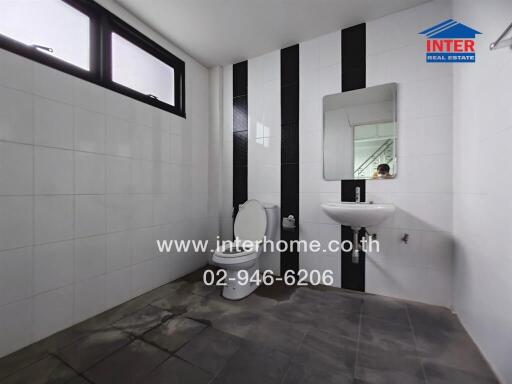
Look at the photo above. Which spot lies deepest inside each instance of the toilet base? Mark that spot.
(234, 290)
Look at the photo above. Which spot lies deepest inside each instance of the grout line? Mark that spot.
(358, 341)
(291, 357)
(74, 310)
(32, 320)
(79, 374)
(416, 345)
(43, 356)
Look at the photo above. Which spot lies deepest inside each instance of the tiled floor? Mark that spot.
(187, 333)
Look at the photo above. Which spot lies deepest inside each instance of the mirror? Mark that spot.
(360, 134)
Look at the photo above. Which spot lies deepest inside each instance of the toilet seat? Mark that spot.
(232, 251)
(237, 260)
(232, 255)
(251, 221)
(250, 225)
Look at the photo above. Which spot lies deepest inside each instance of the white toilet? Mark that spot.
(253, 222)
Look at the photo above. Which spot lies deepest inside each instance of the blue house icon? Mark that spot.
(450, 29)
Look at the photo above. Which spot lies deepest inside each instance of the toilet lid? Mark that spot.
(251, 221)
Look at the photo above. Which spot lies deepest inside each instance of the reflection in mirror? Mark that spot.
(360, 133)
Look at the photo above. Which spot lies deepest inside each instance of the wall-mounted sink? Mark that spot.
(358, 215)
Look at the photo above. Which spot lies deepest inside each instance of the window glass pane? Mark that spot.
(135, 68)
(48, 23)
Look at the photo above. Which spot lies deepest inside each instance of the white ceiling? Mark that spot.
(218, 32)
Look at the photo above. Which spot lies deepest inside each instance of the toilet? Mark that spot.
(254, 222)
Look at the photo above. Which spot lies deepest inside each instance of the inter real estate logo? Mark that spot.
(450, 42)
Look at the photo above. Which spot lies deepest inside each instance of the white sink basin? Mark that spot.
(358, 215)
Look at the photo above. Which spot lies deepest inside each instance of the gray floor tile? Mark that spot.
(277, 334)
(324, 351)
(278, 291)
(338, 323)
(327, 300)
(197, 275)
(253, 302)
(174, 333)
(299, 374)
(47, 371)
(125, 309)
(383, 308)
(128, 365)
(176, 371)
(137, 303)
(208, 310)
(210, 350)
(28, 355)
(298, 313)
(387, 335)
(143, 320)
(177, 302)
(257, 336)
(237, 323)
(379, 366)
(21, 359)
(86, 352)
(254, 364)
(452, 349)
(195, 287)
(201, 289)
(423, 315)
(439, 374)
(78, 380)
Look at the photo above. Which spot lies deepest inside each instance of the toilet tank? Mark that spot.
(272, 212)
(268, 259)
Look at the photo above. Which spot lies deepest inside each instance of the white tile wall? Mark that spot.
(16, 221)
(53, 218)
(118, 287)
(53, 171)
(89, 173)
(320, 75)
(90, 215)
(53, 311)
(53, 123)
(17, 170)
(15, 275)
(90, 257)
(90, 128)
(16, 326)
(89, 179)
(481, 143)
(53, 266)
(422, 192)
(16, 115)
(264, 136)
(90, 297)
(226, 219)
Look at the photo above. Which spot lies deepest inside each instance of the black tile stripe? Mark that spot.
(240, 135)
(290, 150)
(353, 76)
(353, 57)
(352, 275)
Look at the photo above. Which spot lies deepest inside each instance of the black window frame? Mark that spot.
(102, 24)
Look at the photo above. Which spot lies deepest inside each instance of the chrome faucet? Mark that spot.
(358, 194)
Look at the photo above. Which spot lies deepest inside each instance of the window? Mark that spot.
(136, 69)
(83, 39)
(49, 26)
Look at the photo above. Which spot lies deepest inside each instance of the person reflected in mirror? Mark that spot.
(382, 172)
